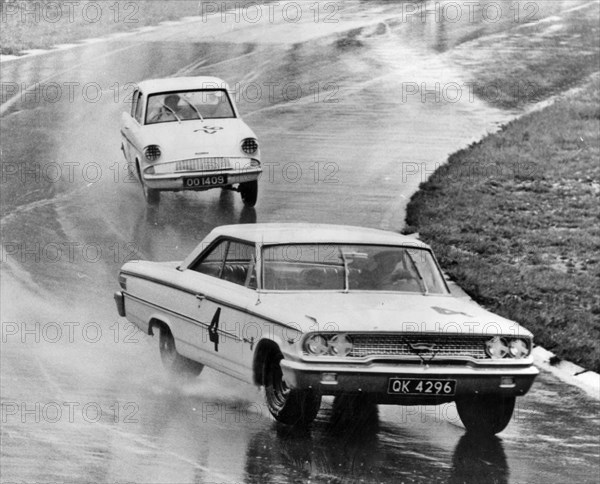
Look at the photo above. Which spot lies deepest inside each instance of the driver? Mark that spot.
(385, 271)
(170, 110)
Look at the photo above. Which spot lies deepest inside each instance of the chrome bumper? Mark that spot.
(174, 181)
(373, 379)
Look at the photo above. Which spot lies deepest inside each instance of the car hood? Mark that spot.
(383, 312)
(193, 139)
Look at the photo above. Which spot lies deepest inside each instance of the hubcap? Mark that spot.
(279, 389)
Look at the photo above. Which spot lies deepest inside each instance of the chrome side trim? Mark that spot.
(182, 316)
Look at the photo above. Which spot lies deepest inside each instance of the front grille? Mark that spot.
(203, 164)
(396, 345)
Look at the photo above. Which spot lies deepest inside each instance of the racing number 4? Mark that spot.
(213, 329)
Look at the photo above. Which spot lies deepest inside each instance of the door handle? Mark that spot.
(200, 298)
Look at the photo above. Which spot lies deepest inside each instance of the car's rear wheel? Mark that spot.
(287, 405)
(151, 195)
(249, 193)
(485, 414)
(175, 364)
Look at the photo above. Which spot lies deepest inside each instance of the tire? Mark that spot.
(249, 193)
(151, 195)
(485, 414)
(288, 406)
(175, 364)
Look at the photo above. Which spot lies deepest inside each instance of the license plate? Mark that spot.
(414, 386)
(205, 181)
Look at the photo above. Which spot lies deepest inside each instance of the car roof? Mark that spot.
(181, 84)
(306, 233)
(302, 233)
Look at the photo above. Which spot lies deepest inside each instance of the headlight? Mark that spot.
(496, 347)
(316, 345)
(340, 345)
(518, 348)
(249, 146)
(152, 152)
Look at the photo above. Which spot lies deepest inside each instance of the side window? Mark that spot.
(138, 108)
(239, 265)
(212, 263)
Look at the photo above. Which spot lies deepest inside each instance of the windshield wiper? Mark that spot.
(172, 112)
(195, 109)
(346, 271)
(421, 280)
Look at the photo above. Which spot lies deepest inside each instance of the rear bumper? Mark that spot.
(373, 379)
(175, 182)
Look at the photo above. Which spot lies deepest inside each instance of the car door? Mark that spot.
(225, 281)
(131, 128)
(231, 297)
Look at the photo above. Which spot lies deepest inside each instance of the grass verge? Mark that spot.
(514, 220)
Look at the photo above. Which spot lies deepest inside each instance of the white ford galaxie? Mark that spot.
(310, 310)
(186, 134)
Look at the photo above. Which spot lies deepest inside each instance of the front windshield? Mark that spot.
(309, 267)
(187, 105)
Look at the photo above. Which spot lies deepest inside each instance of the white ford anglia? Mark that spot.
(310, 310)
(186, 134)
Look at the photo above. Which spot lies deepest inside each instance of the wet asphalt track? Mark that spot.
(84, 397)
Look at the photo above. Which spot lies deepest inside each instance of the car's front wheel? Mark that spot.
(151, 195)
(485, 414)
(249, 193)
(287, 405)
(176, 365)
